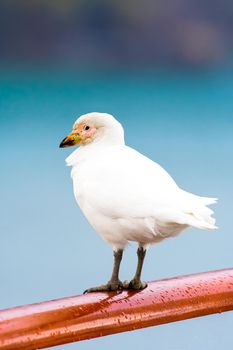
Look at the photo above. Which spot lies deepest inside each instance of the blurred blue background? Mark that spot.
(165, 71)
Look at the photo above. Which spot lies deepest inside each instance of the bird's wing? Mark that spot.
(122, 183)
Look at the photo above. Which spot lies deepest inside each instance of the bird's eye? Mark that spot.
(86, 127)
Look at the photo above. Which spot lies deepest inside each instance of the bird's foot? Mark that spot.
(135, 284)
(110, 286)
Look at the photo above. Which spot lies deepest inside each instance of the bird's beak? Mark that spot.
(71, 140)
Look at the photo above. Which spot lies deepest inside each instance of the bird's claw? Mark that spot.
(134, 284)
(110, 286)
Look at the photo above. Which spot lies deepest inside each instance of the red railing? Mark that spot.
(88, 316)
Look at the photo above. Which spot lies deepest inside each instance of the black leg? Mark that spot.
(136, 282)
(116, 267)
(114, 283)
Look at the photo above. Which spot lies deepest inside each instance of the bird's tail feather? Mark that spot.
(201, 216)
(198, 215)
(196, 220)
(208, 201)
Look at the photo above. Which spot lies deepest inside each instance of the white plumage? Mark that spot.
(125, 195)
(128, 197)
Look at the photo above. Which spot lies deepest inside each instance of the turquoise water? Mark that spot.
(184, 121)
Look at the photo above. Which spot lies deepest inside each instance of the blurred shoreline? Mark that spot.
(116, 34)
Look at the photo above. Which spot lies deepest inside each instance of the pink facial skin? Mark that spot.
(86, 135)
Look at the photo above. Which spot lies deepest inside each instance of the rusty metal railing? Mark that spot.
(82, 317)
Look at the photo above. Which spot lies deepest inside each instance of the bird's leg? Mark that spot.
(114, 283)
(136, 282)
(116, 267)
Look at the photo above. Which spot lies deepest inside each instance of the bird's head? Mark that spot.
(94, 127)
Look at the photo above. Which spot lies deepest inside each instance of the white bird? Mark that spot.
(126, 196)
